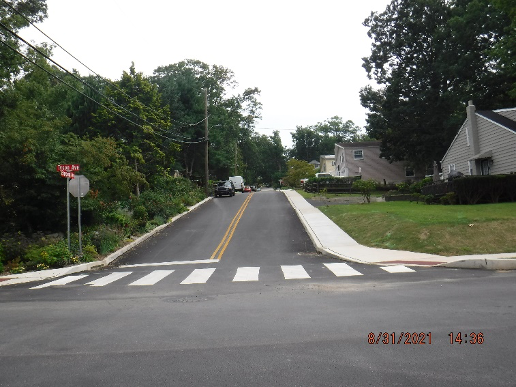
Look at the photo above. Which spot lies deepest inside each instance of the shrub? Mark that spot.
(106, 239)
(52, 255)
(365, 187)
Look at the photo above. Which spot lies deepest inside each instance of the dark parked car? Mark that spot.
(224, 188)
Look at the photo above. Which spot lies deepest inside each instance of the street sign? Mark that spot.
(67, 167)
(69, 175)
(79, 181)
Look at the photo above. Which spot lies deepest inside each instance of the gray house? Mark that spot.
(363, 159)
(484, 145)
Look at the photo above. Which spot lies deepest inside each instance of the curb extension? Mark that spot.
(21, 278)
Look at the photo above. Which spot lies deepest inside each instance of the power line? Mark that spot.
(87, 96)
(96, 74)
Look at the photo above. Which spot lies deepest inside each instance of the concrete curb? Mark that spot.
(485, 263)
(13, 279)
(502, 261)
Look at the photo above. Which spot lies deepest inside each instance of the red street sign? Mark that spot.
(67, 167)
(70, 175)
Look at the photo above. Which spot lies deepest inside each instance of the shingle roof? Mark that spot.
(498, 118)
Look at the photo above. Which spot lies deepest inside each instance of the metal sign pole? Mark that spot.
(68, 210)
(79, 215)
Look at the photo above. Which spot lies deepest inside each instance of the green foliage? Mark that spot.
(425, 83)
(297, 170)
(310, 142)
(106, 239)
(52, 255)
(365, 187)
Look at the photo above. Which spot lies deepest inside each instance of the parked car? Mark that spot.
(224, 187)
(247, 189)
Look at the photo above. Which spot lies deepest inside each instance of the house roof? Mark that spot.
(492, 116)
(359, 144)
(498, 119)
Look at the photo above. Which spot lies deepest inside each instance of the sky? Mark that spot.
(304, 56)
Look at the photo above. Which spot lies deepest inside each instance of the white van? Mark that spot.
(238, 182)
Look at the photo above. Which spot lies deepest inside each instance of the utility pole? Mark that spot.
(206, 172)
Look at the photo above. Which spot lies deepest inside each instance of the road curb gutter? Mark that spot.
(485, 264)
(13, 279)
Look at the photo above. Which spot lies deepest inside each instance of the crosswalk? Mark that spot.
(201, 276)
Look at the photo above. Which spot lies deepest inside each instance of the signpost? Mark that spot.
(78, 187)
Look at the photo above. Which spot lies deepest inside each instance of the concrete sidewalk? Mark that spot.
(327, 237)
(330, 239)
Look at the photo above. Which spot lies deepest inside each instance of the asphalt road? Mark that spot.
(270, 311)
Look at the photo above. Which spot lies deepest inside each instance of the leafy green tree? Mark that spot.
(135, 117)
(15, 15)
(231, 119)
(297, 170)
(504, 52)
(264, 158)
(31, 126)
(310, 142)
(430, 57)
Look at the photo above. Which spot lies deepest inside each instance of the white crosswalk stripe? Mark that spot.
(397, 269)
(109, 278)
(342, 269)
(199, 276)
(61, 281)
(245, 274)
(152, 278)
(294, 272)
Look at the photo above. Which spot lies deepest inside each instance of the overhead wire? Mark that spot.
(91, 87)
(96, 74)
(90, 98)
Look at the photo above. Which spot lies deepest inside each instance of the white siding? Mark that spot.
(499, 140)
(459, 153)
(491, 137)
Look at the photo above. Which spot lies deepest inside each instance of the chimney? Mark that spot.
(473, 132)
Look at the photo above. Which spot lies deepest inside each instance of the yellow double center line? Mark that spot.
(219, 251)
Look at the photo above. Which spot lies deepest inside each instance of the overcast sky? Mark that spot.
(304, 56)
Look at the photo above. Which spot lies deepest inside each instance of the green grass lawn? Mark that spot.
(433, 229)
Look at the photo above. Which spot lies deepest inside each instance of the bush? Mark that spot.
(365, 187)
(106, 239)
(53, 255)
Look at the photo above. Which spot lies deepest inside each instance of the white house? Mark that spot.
(484, 145)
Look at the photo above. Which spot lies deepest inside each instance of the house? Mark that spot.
(484, 145)
(315, 163)
(363, 159)
(327, 164)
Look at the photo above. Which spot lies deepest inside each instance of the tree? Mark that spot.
(15, 15)
(310, 142)
(264, 159)
(297, 170)
(431, 57)
(504, 52)
(135, 117)
(231, 119)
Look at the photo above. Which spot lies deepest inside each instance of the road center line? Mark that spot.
(231, 230)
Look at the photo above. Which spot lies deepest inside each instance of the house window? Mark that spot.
(358, 154)
(409, 172)
(451, 167)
